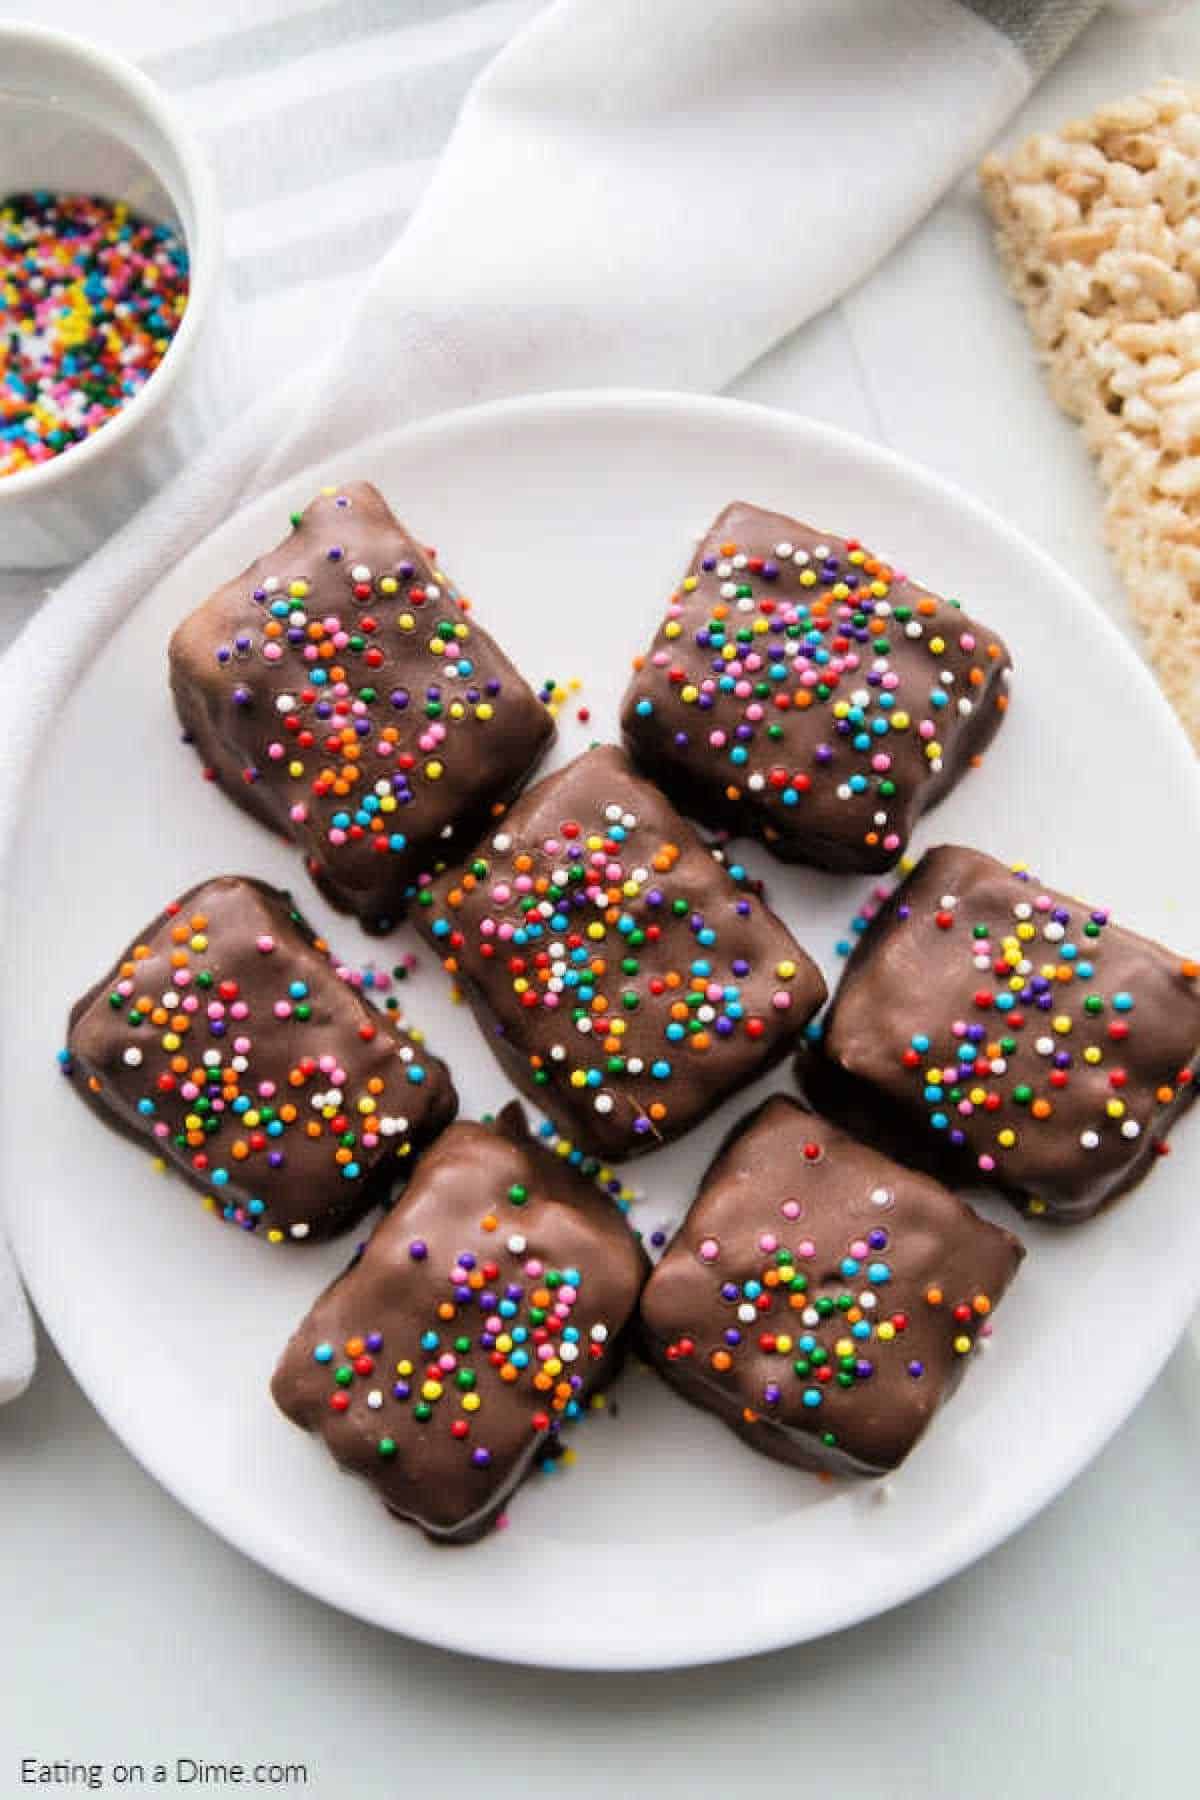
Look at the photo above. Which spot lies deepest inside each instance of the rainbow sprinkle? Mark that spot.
(91, 295)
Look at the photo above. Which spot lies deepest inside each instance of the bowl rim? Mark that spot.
(203, 242)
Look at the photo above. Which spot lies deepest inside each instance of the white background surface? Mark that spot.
(1063, 1665)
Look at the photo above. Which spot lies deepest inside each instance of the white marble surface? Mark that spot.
(1062, 1665)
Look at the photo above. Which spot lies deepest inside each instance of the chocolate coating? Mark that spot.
(800, 690)
(624, 978)
(1014, 1034)
(339, 692)
(485, 1309)
(225, 1040)
(820, 1299)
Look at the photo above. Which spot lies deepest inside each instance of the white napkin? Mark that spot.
(633, 195)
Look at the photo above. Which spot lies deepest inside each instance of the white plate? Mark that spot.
(568, 519)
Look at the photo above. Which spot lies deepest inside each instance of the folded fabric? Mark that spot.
(633, 195)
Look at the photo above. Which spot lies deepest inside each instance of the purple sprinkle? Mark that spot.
(402, 1390)
(481, 1457)
(916, 1369)
(418, 1250)
(374, 1340)
(334, 553)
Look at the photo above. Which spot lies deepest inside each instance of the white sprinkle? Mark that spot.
(783, 551)
(375, 1399)
(568, 1352)
(603, 1103)
(285, 703)
(599, 1334)
(502, 841)
(360, 572)
(299, 1231)
(516, 1244)
(1089, 1139)
(1044, 1046)
(133, 1057)
(1131, 1129)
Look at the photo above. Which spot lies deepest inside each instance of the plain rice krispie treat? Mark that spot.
(1099, 229)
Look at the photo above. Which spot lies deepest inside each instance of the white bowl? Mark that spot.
(74, 118)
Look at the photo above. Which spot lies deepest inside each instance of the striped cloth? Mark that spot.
(323, 127)
(577, 232)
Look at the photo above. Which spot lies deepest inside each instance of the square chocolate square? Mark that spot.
(1015, 1034)
(820, 1299)
(626, 978)
(340, 692)
(226, 1041)
(483, 1313)
(801, 690)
